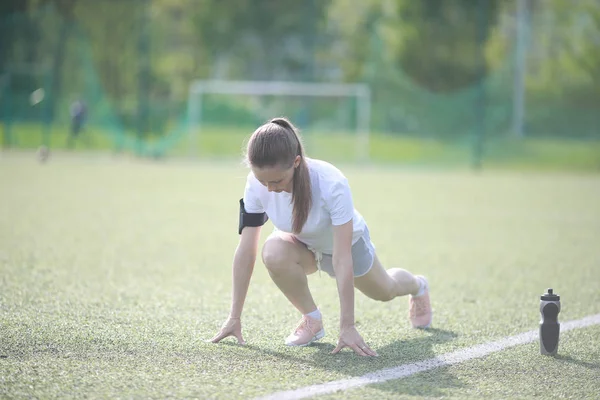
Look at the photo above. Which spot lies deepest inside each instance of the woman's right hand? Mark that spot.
(231, 327)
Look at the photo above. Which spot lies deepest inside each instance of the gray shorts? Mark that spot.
(363, 255)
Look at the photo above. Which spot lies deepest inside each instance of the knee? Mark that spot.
(276, 255)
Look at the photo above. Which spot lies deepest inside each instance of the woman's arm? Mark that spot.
(243, 266)
(344, 273)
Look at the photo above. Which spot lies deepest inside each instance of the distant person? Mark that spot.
(43, 153)
(78, 113)
(316, 228)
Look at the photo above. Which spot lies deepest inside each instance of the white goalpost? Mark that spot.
(361, 92)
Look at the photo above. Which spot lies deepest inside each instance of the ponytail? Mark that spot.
(301, 190)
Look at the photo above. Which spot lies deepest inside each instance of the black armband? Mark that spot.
(250, 219)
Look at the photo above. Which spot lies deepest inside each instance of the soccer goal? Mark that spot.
(360, 93)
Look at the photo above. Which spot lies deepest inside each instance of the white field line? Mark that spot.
(405, 370)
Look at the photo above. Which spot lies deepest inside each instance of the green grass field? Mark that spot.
(114, 272)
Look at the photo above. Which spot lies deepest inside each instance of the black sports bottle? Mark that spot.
(549, 325)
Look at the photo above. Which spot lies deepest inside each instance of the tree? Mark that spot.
(65, 9)
(442, 43)
(8, 30)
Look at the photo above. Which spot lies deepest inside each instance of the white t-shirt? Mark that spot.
(332, 205)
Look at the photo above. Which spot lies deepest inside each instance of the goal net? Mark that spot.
(334, 118)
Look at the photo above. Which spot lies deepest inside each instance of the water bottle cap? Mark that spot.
(550, 296)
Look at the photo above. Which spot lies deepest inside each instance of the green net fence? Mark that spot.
(134, 75)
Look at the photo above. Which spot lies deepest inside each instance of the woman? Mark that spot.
(316, 228)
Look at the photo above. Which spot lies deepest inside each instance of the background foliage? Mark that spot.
(442, 70)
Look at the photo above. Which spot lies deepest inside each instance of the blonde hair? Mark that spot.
(277, 143)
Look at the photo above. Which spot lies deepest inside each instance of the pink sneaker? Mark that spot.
(308, 330)
(420, 312)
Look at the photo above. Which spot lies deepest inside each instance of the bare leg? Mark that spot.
(383, 285)
(288, 262)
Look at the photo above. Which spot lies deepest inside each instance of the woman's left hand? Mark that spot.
(349, 337)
